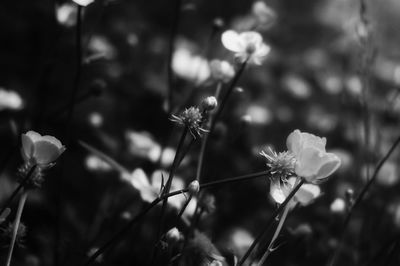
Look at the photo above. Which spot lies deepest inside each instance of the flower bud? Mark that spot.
(209, 103)
(194, 187)
(173, 235)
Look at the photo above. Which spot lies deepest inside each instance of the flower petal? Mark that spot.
(329, 164)
(250, 38)
(262, 51)
(45, 152)
(231, 41)
(276, 192)
(307, 193)
(308, 163)
(293, 142)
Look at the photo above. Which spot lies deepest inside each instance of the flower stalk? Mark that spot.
(17, 221)
(270, 222)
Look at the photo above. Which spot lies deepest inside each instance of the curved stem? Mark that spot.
(17, 221)
(358, 199)
(269, 222)
(275, 236)
(119, 235)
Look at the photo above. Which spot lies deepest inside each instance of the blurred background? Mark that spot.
(333, 70)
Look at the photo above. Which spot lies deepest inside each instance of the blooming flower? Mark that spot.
(280, 189)
(221, 71)
(264, 15)
(41, 150)
(313, 163)
(192, 119)
(189, 66)
(247, 45)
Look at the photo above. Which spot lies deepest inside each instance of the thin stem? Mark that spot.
(140, 215)
(174, 167)
(174, 30)
(269, 222)
(358, 199)
(17, 221)
(16, 191)
(275, 236)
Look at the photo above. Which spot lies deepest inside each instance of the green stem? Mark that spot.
(275, 236)
(358, 199)
(17, 221)
(269, 222)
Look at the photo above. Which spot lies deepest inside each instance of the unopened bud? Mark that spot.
(218, 23)
(209, 103)
(194, 187)
(173, 235)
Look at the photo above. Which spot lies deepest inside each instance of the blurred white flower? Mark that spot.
(143, 145)
(95, 163)
(260, 115)
(10, 100)
(296, 86)
(221, 71)
(83, 2)
(149, 189)
(41, 150)
(190, 67)
(101, 47)
(264, 15)
(66, 14)
(338, 205)
(96, 119)
(312, 161)
(280, 189)
(247, 45)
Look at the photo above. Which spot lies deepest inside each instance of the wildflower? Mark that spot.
(221, 71)
(280, 189)
(192, 119)
(209, 103)
(10, 100)
(83, 2)
(313, 163)
(248, 46)
(281, 164)
(95, 163)
(41, 150)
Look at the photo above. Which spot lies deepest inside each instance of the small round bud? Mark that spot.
(218, 23)
(209, 103)
(194, 187)
(173, 235)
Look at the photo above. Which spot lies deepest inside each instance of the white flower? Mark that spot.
(38, 149)
(280, 189)
(10, 100)
(247, 45)
(264, 15)
(83, 2)
(221, 71)
(313, 163)
(66, 14)
(190, 67)
(150, 189)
